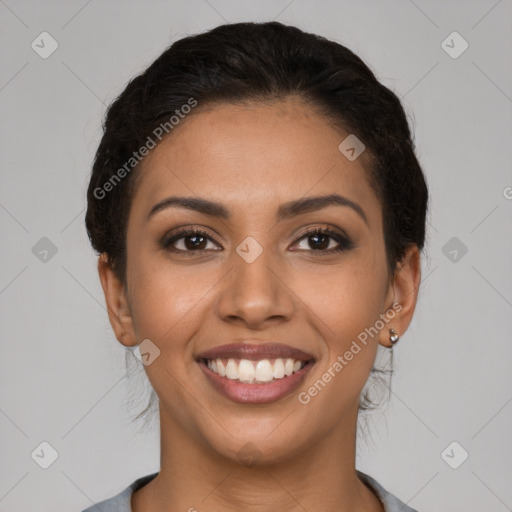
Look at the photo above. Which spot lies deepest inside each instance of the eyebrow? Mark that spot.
(285, 211)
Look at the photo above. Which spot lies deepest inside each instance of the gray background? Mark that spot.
(62, 371)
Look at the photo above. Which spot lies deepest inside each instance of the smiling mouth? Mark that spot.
(255, 371)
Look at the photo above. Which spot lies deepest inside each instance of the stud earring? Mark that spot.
(393, 336)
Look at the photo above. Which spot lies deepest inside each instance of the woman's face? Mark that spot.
(252, 276)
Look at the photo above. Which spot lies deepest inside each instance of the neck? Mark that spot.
(320, 476)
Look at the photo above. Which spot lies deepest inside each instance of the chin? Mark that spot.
(258, 449)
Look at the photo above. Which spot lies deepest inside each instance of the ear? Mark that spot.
(404, 289)
(119, 311)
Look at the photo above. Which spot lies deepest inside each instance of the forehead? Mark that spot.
(252, 155)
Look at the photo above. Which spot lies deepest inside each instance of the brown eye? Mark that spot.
(194, 240)
(325, 240)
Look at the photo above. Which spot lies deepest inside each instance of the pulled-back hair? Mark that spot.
(259, 62)
(248, 62)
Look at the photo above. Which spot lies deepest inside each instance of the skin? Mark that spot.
(253, 158)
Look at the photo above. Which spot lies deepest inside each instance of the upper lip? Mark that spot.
(253, 351)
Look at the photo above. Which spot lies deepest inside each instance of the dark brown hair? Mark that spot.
(259, 62)
(241, 62)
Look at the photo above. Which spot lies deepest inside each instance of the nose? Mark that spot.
(257, 294)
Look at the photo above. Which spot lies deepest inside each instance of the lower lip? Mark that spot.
(257, 393)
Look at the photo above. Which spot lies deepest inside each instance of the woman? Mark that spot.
(259, 212)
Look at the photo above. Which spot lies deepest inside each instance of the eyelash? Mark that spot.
(344, 242)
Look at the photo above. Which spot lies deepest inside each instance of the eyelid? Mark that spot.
(323, 227)
(338, 235)
(179, 233)
(335, 233)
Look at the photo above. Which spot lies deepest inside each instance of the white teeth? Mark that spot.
(246, 371)
(264, 371)
(288, 367)
(221, 370)
(278, 369)
(232, 370)
(255, 371)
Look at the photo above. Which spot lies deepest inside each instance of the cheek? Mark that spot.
(347, 298)
(347, 305)
(347, 302)
(168, 300)
(354, 305)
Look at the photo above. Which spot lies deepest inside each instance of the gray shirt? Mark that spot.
(121, 502)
